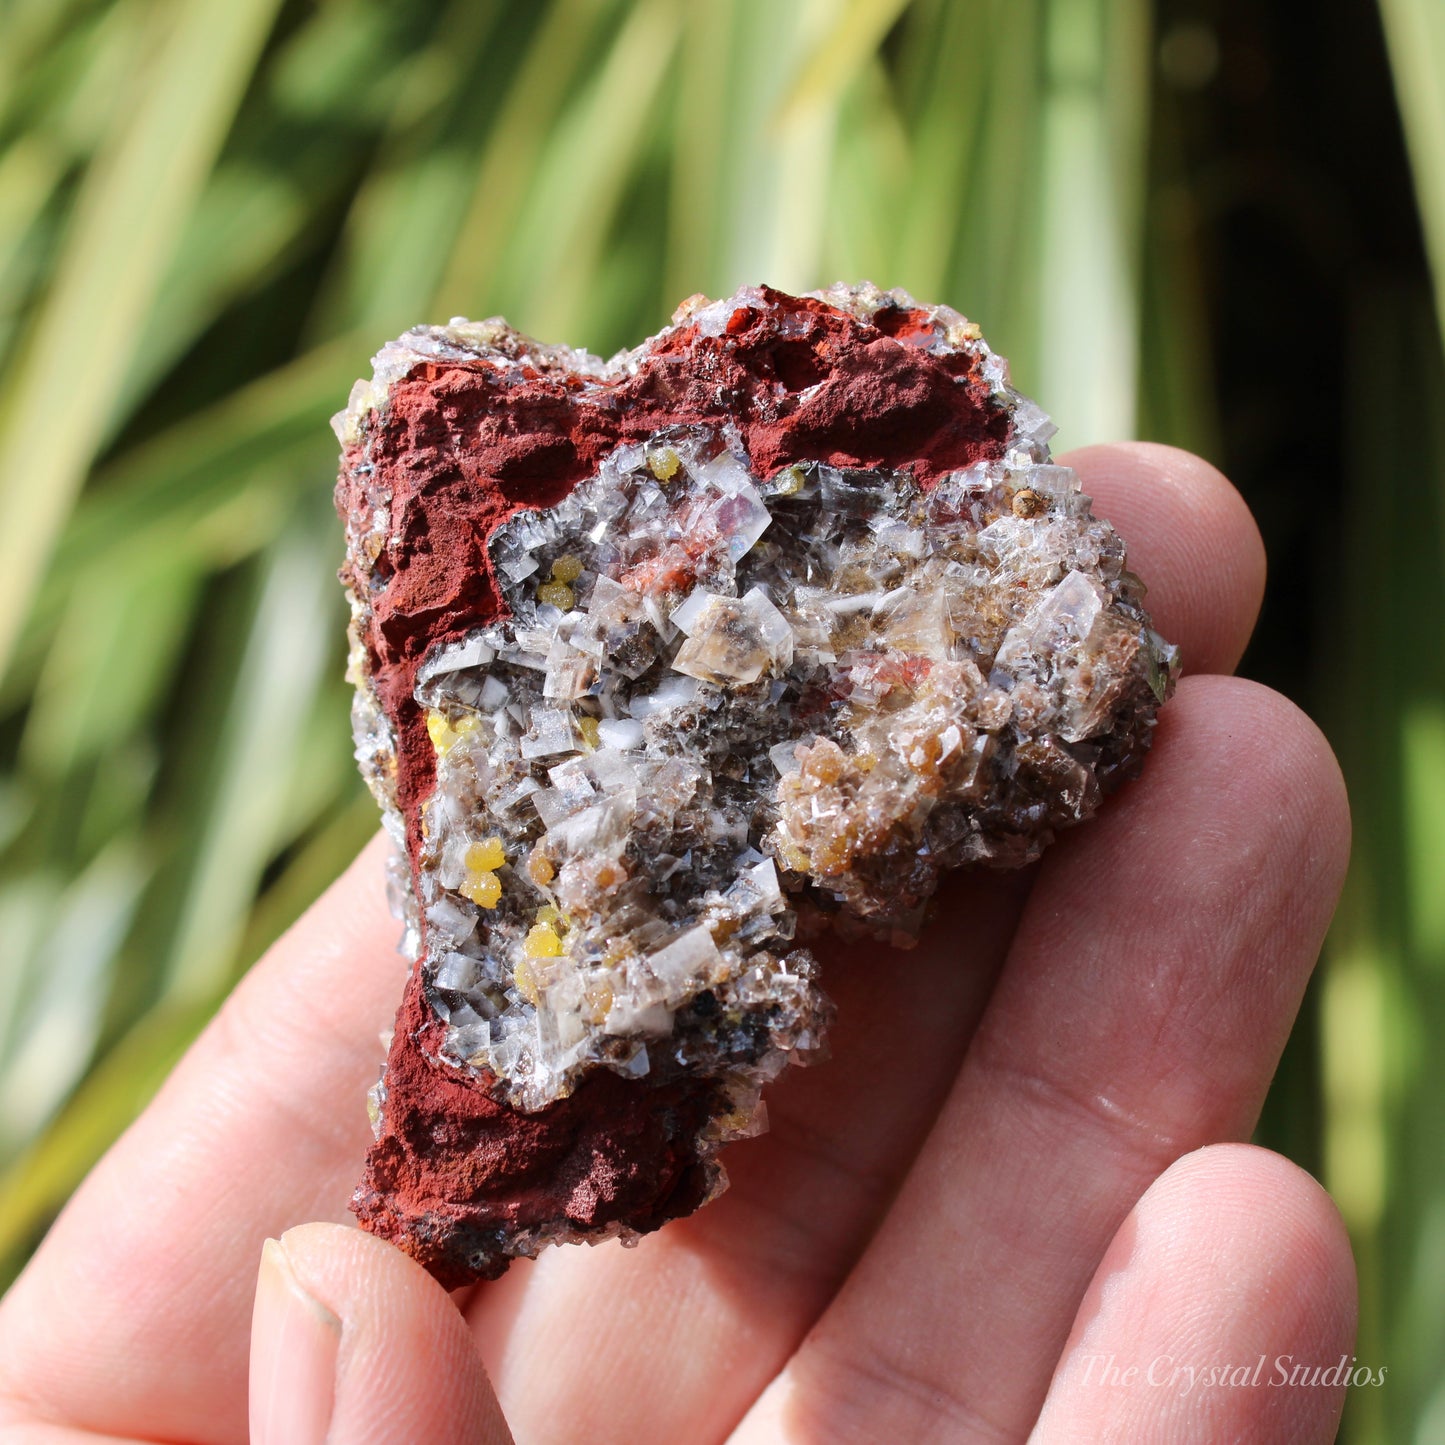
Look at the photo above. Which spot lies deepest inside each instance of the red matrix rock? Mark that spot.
(461, 447)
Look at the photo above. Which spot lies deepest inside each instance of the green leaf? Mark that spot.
(1415, 30)
(560, 236)
(113, 654)
(1095, 105)
(136, 199)
(510, 154)
(57, 1025)
(216, 483)
(298, 614)
(243, 226)
(841, 52)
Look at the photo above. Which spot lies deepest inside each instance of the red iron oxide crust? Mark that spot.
(453, 1167)
(462, 447)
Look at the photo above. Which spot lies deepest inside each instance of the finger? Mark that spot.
(722, 1300)
(1151, 986)
(1223, 1310)
(1192, 539)
(355, 1344)
(133, 1315)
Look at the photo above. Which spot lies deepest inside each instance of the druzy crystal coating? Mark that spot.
(720, 699)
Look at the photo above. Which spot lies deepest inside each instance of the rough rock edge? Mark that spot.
(459, 1181)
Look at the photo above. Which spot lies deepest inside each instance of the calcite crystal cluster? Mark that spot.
(668, 669)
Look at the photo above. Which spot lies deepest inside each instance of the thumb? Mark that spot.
(352, 1343)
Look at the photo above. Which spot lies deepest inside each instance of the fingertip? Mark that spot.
(405, 1367)
(1314, 761)
(1190, 536)
(295, 1340)
(1263, 1237)
(1261, 740)
(1256, 1197)
(1224, 1308)
(1242, 802)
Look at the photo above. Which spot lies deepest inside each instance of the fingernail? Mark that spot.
(294, 1341)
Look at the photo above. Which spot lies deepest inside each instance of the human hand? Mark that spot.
(1014, 1163)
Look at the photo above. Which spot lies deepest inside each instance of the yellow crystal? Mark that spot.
(556, 594)
(664, 463)
(484, 889)
(588, 728)
(485, 856)
(446, 734)
(567, 569)
(542, 942)
(524, 980)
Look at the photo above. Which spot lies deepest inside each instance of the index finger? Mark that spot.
(1190, 537)
(133, 1317)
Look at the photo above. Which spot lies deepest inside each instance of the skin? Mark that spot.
(1024, 1155)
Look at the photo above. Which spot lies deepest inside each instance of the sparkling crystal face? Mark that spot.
(721, 700)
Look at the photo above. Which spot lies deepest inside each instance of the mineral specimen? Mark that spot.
(664, 666)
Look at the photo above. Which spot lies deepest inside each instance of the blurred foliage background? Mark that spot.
(1193, 220)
